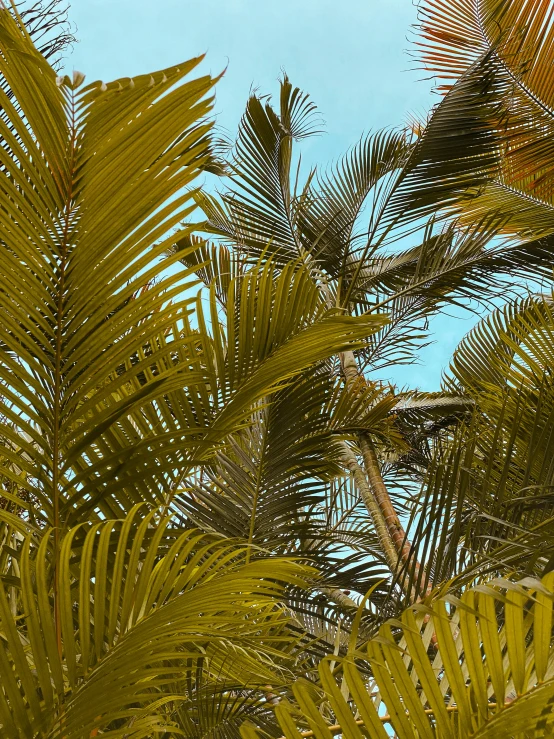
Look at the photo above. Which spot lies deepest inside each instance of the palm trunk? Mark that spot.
(338, 597)
(402, 546)
(373, 508)
(375, 495)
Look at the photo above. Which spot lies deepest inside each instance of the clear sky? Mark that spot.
(350, 55)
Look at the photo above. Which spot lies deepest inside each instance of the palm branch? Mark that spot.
(510, 44)
(490, 677)
(171, 601)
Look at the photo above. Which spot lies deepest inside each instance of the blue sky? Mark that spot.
(350, 55)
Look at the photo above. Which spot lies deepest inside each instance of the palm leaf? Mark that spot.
(75, 256)
(485, 503)
(120, 588)
(515, 41)
(262, 208)
(331, 206)
(272, 485)
(453, 692)
(510, 347)
(220, 373)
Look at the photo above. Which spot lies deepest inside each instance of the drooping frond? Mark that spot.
(267, 485)
(175, 602)
(491, 675)
(486, 500)
(515, 42)
(456, 155)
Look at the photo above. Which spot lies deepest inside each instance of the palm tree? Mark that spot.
(485, 504)
(266, 215)
(115, 385)
(188, 428)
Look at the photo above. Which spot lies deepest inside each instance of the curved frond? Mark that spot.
(261, 203)
(267, 484)
(490, 677)
(516, 41)
(172, 602)
(486, 501)
(332, 204)
(511, 347)
(92, 185)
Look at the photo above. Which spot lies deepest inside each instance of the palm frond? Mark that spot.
(515, 40)
(120, 586)
(215, 264)
(261, 203)
(485, 503)
(511, 347)
(454, 692)
(332, 204)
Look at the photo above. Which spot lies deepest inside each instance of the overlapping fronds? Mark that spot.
(141, 606)
(514, 42)
(215, 264)
(279, 485)
(340, 223)
(92, 178)
(486, 501)
(275, 325)
(491, 675)
(109, 388)
(393, 181)
(330, 207)
(263, 210)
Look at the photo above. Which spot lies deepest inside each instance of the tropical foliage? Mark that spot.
(491, 675)
(218, 516)
(114, 389)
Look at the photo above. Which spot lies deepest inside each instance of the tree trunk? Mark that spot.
(374, 493)
(372, 505)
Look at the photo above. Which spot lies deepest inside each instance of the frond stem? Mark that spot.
(255, 497)
(58, 369)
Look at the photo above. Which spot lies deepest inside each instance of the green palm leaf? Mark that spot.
(89, 180)
(453, 693)
(485, 502)
(331, 206)
(135, 589)
(262, 208)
